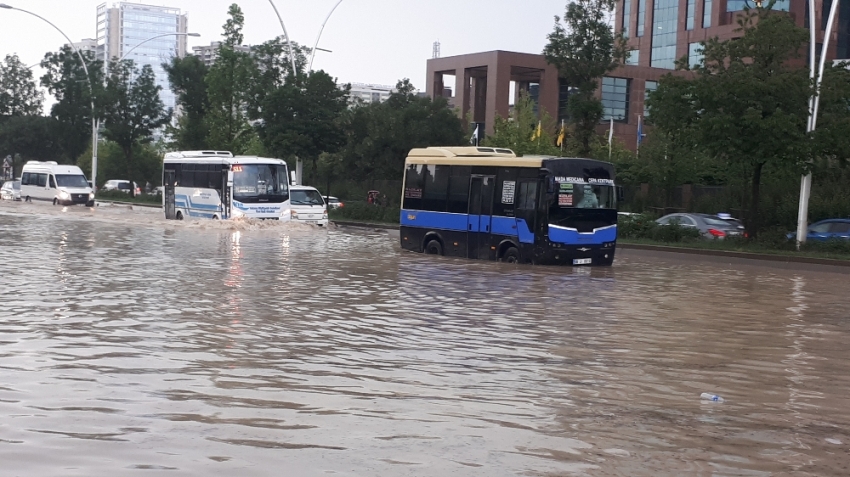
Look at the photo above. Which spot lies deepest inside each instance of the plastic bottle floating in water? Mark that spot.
(711, 397)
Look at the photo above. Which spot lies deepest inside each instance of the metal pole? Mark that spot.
(806, 181)
(286, 36)
(316, 44)
(91, 87)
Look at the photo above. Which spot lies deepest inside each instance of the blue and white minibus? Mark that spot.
(489, 204)
(218, 185)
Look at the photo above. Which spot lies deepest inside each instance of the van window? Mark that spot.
(41, 179)
(25, 178)
(52, 182)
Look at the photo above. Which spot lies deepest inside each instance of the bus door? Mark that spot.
(168, 179)
(481, 189)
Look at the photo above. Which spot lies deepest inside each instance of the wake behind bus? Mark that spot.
(218, 185)
(489, 204)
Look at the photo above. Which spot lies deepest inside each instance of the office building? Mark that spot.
(370, 93)
(124, 26)
(86, 45)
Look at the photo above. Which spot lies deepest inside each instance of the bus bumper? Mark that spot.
(577, 255)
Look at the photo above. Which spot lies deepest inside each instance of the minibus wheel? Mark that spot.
(179, 216)
(511, 255)
(434, 247)
(55, 202)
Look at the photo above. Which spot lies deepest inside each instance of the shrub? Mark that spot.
(644, 227)
(119, 196)
(366, 212)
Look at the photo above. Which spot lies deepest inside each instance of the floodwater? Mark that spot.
(132, 346)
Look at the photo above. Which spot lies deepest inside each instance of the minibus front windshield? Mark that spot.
(260, 183)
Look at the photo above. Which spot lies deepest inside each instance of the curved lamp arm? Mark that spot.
(316, 45)
(154, 38)
(286, 35)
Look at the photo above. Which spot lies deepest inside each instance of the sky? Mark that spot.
(372, 41)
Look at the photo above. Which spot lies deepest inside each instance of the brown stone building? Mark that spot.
(659, 32)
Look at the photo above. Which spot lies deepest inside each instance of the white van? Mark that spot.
(307, 206)
(59, 184)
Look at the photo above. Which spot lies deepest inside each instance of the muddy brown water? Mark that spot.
(132, 346)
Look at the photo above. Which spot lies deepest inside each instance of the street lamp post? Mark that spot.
(316, 44)
(814, 101)
(299, 165)
(91, 86)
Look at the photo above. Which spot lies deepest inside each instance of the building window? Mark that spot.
(706, 13)
(627, 16)
(615, 99)
(634, 58)
(738, 5)
(664, 19)
(695, 55)
(649, 87)
(689, 23)
(641, 13)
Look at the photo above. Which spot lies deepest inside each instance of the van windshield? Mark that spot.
(306, 197)
(68, 180)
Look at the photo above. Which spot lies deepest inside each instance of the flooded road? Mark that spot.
(132, 346)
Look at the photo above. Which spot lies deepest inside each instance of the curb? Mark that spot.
(137, 204)
(661, 248)
(742, 255)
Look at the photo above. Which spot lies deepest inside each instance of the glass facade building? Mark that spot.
(664, 30)
(125, 31)
(615, 99)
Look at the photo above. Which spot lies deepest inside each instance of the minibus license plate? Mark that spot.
(582, 261)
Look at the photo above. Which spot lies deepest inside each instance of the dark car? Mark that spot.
(826, 230)
(709, 226)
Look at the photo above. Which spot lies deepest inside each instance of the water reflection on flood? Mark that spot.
(129, 344)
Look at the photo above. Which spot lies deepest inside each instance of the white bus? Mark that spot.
(217, 185)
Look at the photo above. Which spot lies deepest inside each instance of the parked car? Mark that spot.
(122, 185)
(11, 190)
(826, 230)
(709, 226)
(307, 205)
(333, 202)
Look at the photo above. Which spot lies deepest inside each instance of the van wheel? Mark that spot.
(179, 216)
(215, 217)
(511, 255)
(28, 199)
(55, 202)
(434, 247)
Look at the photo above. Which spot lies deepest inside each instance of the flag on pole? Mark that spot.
(538, 133)
(474, 139)
(610, 137)
(640, 134)
(562, 135)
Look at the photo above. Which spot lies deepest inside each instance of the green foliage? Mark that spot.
(365, 212)
(380, 135)
(518, 132)
(584, 48)
(31, 137)
(19, 95)
(227, 120)
(111, 163)
(66, 80)
(132, 111)
(118, 196)
(747, 104)
(187, 78)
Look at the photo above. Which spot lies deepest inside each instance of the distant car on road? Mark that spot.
(826, 230)
(11, 190)
(709, 226)
(122, 185)
(333, 202)
(307, 206)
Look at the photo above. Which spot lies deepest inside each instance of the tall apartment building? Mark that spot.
(661, 31)
(86, 45)
(209, 53)
(125, 25)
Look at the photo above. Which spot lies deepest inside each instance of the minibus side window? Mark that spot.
(52, 182)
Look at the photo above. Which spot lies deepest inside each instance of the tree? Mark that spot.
(133, 110)
(227, 83)
(301, 118)
(748, 103)
(66, 80)
(584, 48)
(519, 132)
(381, 134)
(19, 95)
(187, 77)
(30, 137)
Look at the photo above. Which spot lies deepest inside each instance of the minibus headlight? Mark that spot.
(64, 194)
(91, 195)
